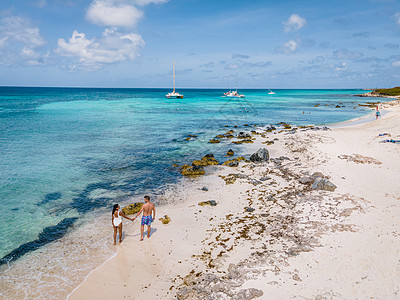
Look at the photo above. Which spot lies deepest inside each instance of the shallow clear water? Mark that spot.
(66, 152)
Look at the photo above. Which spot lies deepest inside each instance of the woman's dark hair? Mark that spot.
(115, 207)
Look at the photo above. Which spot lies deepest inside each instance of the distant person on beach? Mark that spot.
(117, 222)
(149, 213)
(378, 113)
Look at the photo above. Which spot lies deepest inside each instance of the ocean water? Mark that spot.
(68, 154)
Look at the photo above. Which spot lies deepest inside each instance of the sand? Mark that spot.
(293, 242)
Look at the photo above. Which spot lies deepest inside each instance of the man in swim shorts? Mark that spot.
(149, 213)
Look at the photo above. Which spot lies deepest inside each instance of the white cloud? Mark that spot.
(109, 13)
(146, 2)
(346, 54)
(288, 47)
(294, 23)
(112, 47)
(20, 42)
(341, 67)
(396, 63)
(396, 17)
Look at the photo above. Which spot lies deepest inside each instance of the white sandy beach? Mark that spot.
(297, 243)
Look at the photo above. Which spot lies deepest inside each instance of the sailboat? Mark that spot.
(233, 94)
(271, 92)
(173, 94)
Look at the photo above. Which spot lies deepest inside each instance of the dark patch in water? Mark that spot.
(83, 203)
(48, 235)
(50, 197)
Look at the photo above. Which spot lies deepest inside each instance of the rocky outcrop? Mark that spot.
(192, 170)
(207, 160)
(262, 155)
(132, 208)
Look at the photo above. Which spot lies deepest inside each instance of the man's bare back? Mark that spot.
(147, 208)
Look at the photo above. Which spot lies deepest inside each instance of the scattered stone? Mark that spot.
(204, 189)
(233, 164)
(231, 178)
(175, 165)
(317, 174)
(268, 142)
(132, 208)
(261, 155)
(265, 178)
(230, 152)
(210, 202)
(248, 141)
(188, 139)
(306, 180)
(249, 209)
(165, 219)
(192, 170)
(323, 184)
(214, 141)
(207, 160)
(255, 181)
(192, 135)
(243, 135)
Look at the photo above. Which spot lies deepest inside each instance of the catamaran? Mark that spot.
(173, 94)
(233, 94)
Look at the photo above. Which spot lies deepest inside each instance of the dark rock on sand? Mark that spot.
(249, 209)
(204, 189)
(192, 170)
(230, 152)
(261, 155)
(207, 160)
(132, 208)
(265, 178)
(243, 135)
(323, 184)
(210, 202)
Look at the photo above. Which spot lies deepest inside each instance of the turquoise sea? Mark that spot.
(68, 153)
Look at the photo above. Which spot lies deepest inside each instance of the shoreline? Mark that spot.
(193, 213)
(183, 184)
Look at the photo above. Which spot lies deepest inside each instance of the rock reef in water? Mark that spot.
(132, 208)
(230, 152)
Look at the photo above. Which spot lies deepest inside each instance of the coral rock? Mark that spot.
(132, 208)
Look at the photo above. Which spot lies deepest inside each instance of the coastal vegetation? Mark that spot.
(388, 92)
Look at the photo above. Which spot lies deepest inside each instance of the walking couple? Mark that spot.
(149, 213)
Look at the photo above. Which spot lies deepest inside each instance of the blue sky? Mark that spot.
(132, 43)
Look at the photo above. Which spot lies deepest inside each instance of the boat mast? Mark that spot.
(236, 80)
(173, 74)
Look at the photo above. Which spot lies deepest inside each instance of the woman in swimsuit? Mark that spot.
(117, 222)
